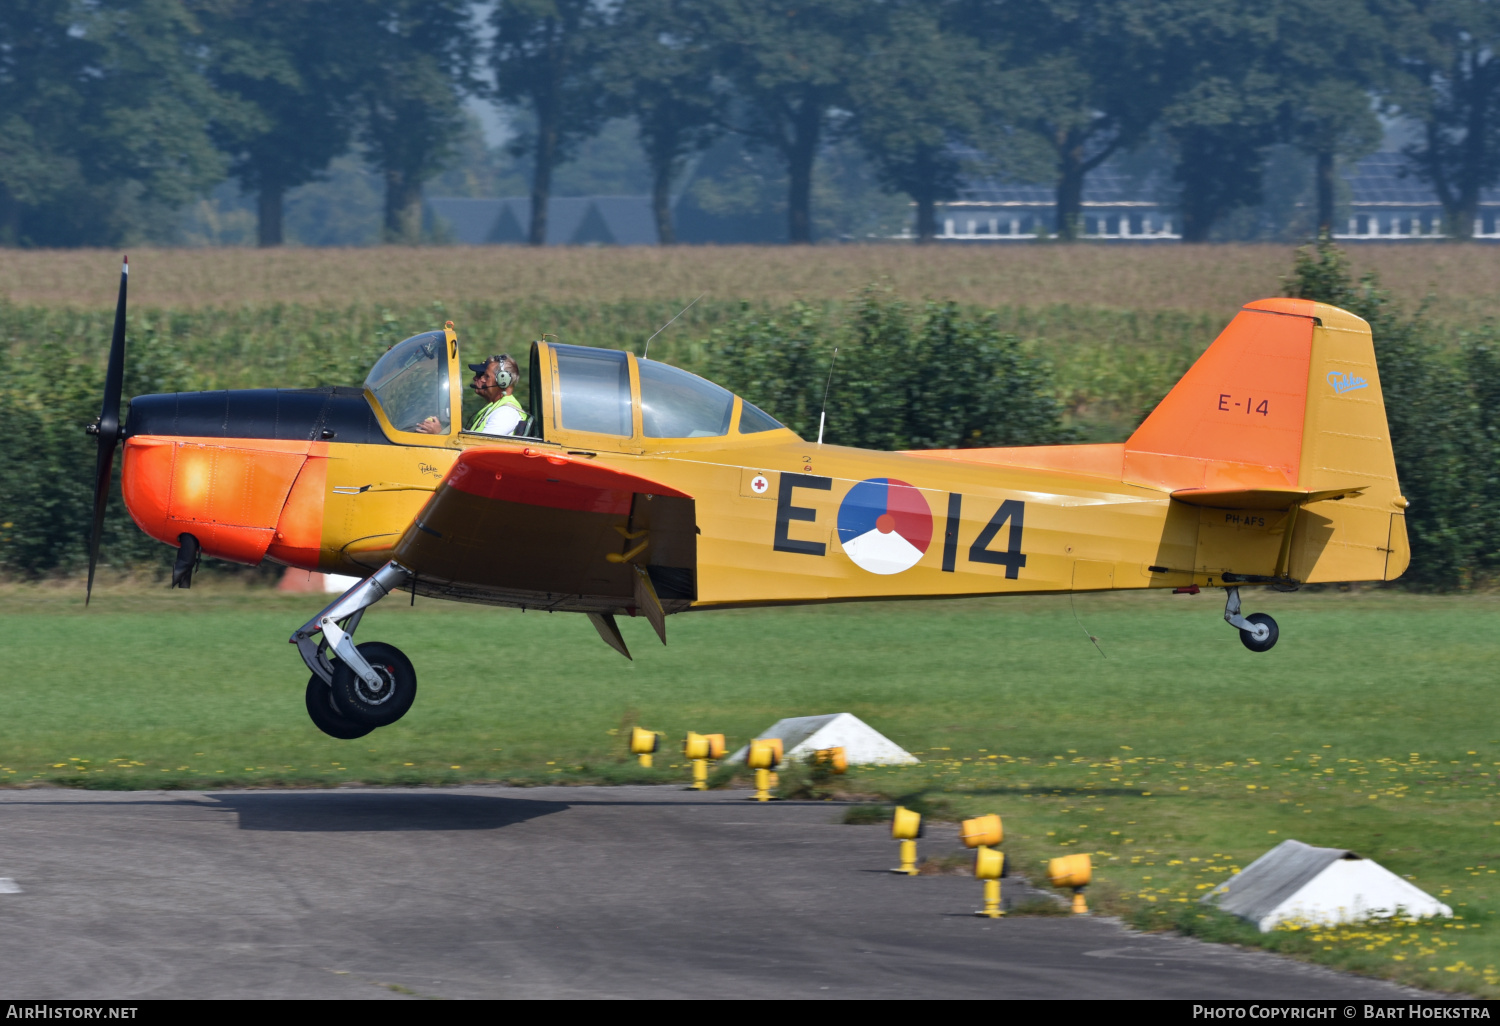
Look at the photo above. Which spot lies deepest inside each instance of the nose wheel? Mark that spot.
(381, 702)
(326, 716)
(1258, 632)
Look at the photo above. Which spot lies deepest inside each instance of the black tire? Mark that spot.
(1249, 639)
(355, 699)
(325, 715)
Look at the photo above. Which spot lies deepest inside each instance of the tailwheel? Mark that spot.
(383, 701)
(326, 716)
(1268, 639)
(1258, 631)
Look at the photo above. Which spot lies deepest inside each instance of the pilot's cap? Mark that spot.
(480, 368)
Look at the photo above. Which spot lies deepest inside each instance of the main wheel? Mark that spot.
(325, 714)
(382, 705)
(1248, 638)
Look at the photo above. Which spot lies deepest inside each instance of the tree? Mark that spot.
(417, 62)
(790, 62)
(1435, 409)
(916, 97)
(660, 69)
(1456, 62)
(1222, 103)
(284, 61)
(546, 59)
(1218, 167)
(1330, 59)
(1219, 126)
(104, 113)
(41, 64)
(1093, 71)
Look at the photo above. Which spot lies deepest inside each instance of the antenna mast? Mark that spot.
(647, 352)
(823, 415)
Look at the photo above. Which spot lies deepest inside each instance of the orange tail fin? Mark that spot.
(1235, 420)
(1284, 412)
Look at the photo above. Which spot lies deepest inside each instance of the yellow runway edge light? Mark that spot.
(906, 827)
(982, 831)
(833, 758)
(765, 756)
(642, 743)
(1073, 871)
(989, 866)
(700, 748)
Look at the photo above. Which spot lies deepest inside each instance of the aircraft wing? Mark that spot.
(540, 529)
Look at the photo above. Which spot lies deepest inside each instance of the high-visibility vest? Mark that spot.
(504, 400)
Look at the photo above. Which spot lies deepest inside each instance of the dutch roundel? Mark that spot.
(885, 525)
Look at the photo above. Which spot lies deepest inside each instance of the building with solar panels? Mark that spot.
(1380, 201)
(1385, 202)
(1116, 206)
(1388, 202)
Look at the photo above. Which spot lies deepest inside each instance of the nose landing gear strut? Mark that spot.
(355, 688)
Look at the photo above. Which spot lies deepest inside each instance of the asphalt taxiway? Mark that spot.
(541, 892)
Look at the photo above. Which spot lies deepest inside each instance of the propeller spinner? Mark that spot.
(107, 427)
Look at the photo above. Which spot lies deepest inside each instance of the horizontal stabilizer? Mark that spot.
(1260, 498)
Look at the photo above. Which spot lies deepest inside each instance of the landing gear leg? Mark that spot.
(359, 693)
(1258, 631)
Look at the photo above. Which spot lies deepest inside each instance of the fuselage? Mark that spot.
(322, 479)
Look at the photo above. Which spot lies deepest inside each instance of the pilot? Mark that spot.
(495, 381)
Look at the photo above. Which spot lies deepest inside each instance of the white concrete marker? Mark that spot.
(1297, 882)
(9, 886)
(863, 745)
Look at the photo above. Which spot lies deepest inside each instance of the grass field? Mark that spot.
(1174, 760)
(1206, 279)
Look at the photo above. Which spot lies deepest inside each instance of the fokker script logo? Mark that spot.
(1346, 382)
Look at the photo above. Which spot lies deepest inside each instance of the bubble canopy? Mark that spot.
(598, 395)
(410, 382)
(676, 404)
(606, 392)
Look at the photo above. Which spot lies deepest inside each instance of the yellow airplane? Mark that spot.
(637, 488)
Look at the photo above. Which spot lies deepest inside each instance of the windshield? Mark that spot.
(676, 404)
(410, 382)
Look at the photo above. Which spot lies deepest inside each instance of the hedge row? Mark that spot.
(908, 375)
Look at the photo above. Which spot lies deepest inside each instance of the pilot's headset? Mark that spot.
(503, 377)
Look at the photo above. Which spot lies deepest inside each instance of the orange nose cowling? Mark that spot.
(232, 495)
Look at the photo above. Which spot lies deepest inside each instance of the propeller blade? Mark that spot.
(107, 427)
